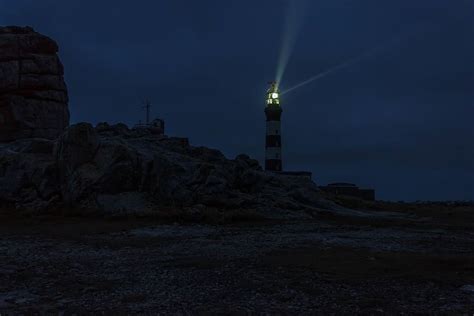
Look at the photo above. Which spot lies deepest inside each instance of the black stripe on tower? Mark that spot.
(273, 165)
(273, 141)
(273, 113)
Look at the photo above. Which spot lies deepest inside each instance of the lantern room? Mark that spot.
(273, 96)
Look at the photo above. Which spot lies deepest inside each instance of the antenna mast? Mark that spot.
(147, 107)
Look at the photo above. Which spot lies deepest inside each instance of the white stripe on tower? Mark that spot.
(273, 153)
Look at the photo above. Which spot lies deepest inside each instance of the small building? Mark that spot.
(157, 126)
(349, 189)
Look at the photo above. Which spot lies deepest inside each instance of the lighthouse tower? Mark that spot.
(273, 160)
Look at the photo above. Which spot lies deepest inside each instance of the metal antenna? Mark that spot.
(147, 106)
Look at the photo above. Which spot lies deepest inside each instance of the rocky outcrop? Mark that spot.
(115, 170)
(33, 95)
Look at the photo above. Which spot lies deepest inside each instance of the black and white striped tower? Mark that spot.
(273, 160)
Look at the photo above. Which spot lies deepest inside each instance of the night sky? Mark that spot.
(401, 121)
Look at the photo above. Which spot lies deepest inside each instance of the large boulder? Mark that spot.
(28, 175)
(33, 94)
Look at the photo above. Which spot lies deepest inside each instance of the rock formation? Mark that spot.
(115, 170)
(33, 95)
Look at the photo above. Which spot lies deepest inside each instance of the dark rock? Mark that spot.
(121, 171)
(77, 146)
(207, 154)
(112, 170)
(102, 127)
(248, 162)
(33, 95)
(28, 175)
(33, 146)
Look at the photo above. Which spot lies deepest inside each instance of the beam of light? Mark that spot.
(370, 53)
(292, 25)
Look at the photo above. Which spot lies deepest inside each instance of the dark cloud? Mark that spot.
(400, 121)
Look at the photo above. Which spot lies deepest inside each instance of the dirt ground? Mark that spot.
(420, 262)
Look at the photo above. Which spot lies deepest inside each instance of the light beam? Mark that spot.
(292, 26)
(348, 63)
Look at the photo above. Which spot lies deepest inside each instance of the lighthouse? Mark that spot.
(273, 159)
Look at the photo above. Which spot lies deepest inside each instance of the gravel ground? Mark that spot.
(326, 266)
